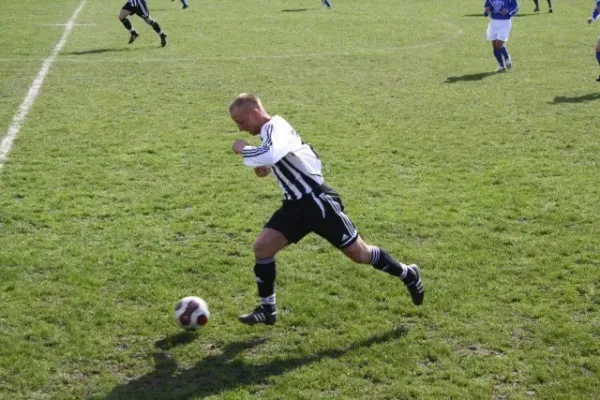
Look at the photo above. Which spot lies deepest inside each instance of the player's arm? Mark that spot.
(487, 8)
(274, 147)
(595, 13)
(514, 8)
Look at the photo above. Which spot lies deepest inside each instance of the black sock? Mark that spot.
(550, 3)
(156, 27)
(265, 272)
(536, 3)
(126, 24)
(380, 259)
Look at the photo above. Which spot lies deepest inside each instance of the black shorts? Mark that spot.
(320, 212)
(141, 9)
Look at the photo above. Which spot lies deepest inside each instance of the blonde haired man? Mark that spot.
(308, 206)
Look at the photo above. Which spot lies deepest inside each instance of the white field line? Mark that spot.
(34, 90)
(349, 53)
(90, 24)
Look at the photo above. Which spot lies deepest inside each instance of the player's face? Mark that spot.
(246, 119)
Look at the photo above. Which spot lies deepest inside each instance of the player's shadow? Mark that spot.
(98, 51)
(576, 99)
(294, 9)
(470, 77)
(518, 15)
(224, 371)
(527, 15)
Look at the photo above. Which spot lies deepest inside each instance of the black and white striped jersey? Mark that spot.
(294, 164)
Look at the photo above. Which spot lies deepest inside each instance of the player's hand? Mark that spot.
(262, 171)
(238, 146)
(504, 11)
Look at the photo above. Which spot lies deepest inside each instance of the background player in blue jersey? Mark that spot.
(140, 8)
(309, 205)
(537, 6)
(184, 2)
(500, 12)
(594, 17)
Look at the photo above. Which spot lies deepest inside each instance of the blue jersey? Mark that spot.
(496, 7)
(596, 11)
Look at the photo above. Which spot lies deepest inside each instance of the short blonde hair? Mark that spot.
(245, 99)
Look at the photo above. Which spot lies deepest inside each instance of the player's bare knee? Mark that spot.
(263, 249)
(358, 252)
(149, 21)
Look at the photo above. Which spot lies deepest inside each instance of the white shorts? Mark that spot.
(499, 29)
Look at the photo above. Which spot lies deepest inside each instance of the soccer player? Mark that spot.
(498, 30)
(308, 206)
(537, 6)
(139, 8)
(184, 2)
(593, 18)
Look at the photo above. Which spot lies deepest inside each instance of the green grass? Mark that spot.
(121, 195)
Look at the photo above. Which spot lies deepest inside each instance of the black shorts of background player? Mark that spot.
(140, 8)
(308, 206)
(537, 6)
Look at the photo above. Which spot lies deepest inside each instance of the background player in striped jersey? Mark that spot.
(500, 12)
(140, 8)
(537, 6)
(308, 206)
(594, 17)
(184, 2)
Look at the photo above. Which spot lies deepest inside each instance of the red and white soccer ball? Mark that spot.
(191, 313)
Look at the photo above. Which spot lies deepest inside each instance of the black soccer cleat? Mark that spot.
(598, 79)
(134, 35)
(415, 285)
(262, 314)
(163, 39)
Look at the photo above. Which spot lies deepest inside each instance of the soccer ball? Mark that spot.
(191, 313)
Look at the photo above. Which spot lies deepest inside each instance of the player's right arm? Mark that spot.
(278, 139)
(487, 8)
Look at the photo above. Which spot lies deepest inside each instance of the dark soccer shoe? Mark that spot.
(163, 39)
(415, 286)
(261, 315)
(134, 35)
(598, 80)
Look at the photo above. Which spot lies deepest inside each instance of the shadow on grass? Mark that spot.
(576, 99)
(527, 15)
(224, 371)
(471, 77)
(294, 9)
(518, 15)
(173, 341)
(98, 51)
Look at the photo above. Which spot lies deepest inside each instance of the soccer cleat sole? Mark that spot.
(416, 288)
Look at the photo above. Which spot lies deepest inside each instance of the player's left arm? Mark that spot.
(513, 8)
(595, 13)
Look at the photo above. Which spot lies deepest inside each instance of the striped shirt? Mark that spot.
(295, 165)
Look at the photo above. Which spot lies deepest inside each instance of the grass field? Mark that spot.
(121, 195)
